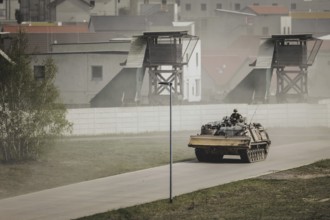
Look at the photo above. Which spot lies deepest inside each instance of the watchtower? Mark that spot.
(166, 54)
(293, 54)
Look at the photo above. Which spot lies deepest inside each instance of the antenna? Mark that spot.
(254, 113)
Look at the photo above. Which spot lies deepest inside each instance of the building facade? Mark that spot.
(8, 9)
(194, 9)
(83, 69)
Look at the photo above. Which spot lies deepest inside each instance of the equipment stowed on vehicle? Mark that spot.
(220, 138)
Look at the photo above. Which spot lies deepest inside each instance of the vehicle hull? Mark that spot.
(251, 142)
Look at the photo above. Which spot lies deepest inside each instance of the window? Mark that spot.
(197, 59)
(203, 7)
(293, 6)
(256, 4)
(198, 87)
(219, 6)
(187, 89)
(274, 4)
(188, 7)
(97, 73)
(39, 72)
(265, 31)
(2, 13)
(237, 6)
(178, 2)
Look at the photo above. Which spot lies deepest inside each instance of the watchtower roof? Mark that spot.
(165, 33)
(293, 36)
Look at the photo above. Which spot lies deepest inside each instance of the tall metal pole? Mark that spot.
(171, 154)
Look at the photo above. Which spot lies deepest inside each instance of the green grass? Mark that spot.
(78, 159)
(301, 193)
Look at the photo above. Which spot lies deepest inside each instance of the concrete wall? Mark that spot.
(72, 11)
(190, 117)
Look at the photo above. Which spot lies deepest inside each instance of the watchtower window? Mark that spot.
(165, 40)
(97, 73)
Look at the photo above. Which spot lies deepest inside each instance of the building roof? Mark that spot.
(220, 66)
(128, 23)
(293, 36)
(46, 28)
(117, 23)
(310, 15)
(267, 10)
(165, 33)
(325, 47)
(42, 42)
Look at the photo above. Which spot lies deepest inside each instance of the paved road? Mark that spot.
(133, 188)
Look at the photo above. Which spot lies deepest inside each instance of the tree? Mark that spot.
(31, 114)
(18, 16)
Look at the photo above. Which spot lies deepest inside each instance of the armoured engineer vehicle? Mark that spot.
(250, 141)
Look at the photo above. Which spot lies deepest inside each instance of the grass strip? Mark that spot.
(301, 193)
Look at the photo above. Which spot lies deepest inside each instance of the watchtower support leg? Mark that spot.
(291, 84)
(157, 75)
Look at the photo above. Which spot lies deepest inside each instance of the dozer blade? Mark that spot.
(199, 141)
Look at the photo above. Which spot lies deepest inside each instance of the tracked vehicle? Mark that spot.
(250, 141)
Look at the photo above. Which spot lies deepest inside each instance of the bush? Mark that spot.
(31, 114)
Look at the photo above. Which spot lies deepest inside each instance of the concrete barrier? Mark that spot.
(97, 121)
